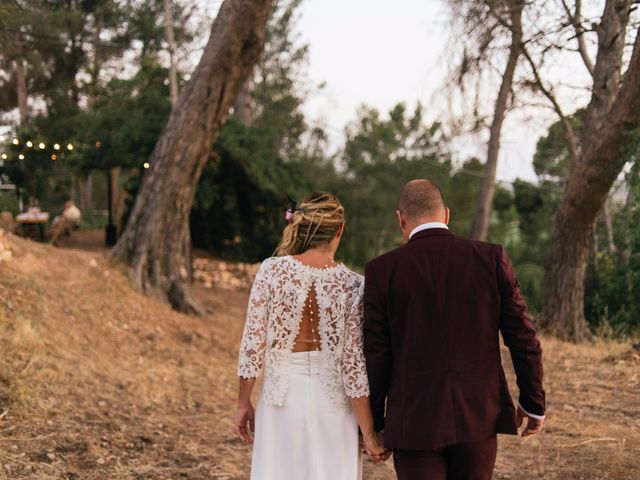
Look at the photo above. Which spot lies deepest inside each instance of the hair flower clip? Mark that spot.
(288, 215)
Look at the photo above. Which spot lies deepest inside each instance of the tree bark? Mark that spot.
(602, 158)
(242, 106)
(87, 193)
(21, 90)
(480, 227)
(173, 72)
(158, 229)
(608, 70)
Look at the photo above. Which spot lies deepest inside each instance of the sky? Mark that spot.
(379, 53)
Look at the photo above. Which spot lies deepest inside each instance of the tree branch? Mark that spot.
(576, 20)
(569, 133)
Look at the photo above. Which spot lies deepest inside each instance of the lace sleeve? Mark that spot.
(354, 371)
(254, 338)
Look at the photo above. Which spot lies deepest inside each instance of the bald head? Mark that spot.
(421, 200)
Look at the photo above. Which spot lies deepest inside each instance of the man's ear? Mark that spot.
(401, 221)
(447, 216)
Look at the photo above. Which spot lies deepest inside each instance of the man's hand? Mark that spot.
(245, 422)
(534, 425)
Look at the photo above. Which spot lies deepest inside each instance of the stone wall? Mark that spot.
(224, 275)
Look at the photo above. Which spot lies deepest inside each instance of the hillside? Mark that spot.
(100, 382)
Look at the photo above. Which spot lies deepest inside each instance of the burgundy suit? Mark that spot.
(434, 309)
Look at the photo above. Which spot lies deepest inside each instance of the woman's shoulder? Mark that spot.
(269, 266)
(352, 278)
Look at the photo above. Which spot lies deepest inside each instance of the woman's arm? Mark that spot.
(251, 355)
(372, 440)
(356, 383)
(245, 415)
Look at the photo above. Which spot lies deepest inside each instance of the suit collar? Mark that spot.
(431, 232)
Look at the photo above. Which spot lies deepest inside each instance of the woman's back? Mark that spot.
(295, 307)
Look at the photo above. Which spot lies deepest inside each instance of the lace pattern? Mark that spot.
(273, 321)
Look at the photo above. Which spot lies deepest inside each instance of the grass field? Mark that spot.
(100, 382)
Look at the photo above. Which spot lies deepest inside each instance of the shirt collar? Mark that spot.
(426, 226)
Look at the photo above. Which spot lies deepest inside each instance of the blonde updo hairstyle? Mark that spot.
(315, 221)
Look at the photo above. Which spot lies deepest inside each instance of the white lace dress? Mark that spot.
(305, 429)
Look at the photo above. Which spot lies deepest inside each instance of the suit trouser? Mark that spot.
(465, 461)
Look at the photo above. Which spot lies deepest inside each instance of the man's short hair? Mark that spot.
(421, 198)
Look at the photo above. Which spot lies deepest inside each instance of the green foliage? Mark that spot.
(93, 219)
(125, 123)
(9, 202)
(379, 157)
(239, 205)
(551, 159)
(612, 291)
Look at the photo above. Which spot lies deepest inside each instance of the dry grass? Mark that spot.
(100, 382)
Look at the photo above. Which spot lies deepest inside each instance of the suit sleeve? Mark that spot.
(377, 347)
(520, 337)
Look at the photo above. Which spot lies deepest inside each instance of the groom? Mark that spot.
(433, 311)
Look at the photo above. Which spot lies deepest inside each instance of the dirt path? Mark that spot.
(100, 382)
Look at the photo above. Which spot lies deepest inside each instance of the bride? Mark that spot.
(304, 325)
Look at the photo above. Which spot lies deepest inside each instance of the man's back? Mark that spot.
(433, 312)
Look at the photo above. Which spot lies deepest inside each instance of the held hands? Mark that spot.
(534, 425)
(372, 444)
(244, 424)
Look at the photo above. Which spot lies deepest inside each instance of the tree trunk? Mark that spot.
(87, 193)
(158, 229)
(608, 70)
(21, 90)
(480, 227)
(173, 72)
(242, 106)
(600, 162)
(608, 225)
(624, 250)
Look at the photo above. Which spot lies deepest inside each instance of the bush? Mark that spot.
(9, 202)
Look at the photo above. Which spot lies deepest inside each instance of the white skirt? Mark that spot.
(305, 439)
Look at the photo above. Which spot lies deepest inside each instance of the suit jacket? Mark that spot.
(434, 309)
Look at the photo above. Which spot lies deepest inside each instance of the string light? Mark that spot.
(54, 157)
(16, 141)
(56, 146)
(29, 144)
(146, 165)
(69, 146)
(42, 146)
(3, 156)
(98, 144)
(21, 156)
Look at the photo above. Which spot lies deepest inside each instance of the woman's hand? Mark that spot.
(245, 422)
(374, 447)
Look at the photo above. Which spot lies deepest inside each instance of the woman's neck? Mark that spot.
(317, 257)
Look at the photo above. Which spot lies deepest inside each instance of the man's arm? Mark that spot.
(377, 347)
(520, 337)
